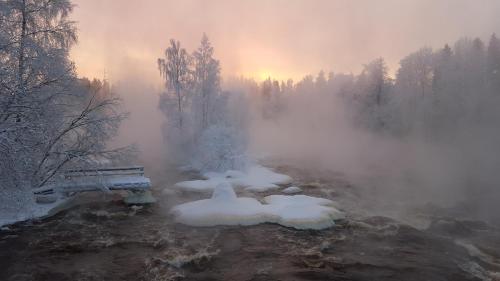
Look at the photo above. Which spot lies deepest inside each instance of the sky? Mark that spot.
(122, 39)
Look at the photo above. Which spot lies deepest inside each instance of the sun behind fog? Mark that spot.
(265, 74)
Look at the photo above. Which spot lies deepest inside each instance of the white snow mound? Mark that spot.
(296, 200)
(224, 208)
(200, 185)
(224, 191)
(257, 178)
(292, 190)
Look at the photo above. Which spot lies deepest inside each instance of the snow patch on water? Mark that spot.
(224, 208)
(257, 178)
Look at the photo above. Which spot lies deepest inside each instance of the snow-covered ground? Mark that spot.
(225, 208)
(34, 211)
(257, 178)
(16, 210)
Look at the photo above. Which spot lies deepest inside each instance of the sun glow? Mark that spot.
(264, 74)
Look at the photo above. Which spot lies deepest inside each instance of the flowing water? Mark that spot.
(103, 239)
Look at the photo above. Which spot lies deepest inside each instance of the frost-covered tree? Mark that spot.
(219, 144)
(206, 83)
(48, 119)
(414, 87)
(221, 147)
(321, 83)
(373, 86)
(34, 73)
(442, 68)
(176, 101)
(493, 58)
(415, 75)
(208, 134)
(272, 97)
(79, 138)
(175, 68)
(375, 79)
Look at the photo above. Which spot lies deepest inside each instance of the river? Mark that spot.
(101, 238)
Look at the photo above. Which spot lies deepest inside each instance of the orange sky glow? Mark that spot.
(261, 38)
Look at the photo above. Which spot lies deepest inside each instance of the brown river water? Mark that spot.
(101, 238)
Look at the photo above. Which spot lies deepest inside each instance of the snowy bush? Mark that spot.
(220, 148)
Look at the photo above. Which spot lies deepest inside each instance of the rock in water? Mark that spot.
(139, 198)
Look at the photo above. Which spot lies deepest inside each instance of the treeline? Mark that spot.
(435, 93)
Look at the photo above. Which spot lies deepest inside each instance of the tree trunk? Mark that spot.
(22, 46)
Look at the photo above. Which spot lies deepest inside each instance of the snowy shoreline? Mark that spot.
(39, 211)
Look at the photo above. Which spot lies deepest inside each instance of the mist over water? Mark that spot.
(312, 129)
(143, 126)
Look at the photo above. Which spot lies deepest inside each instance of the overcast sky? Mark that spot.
(281, 38)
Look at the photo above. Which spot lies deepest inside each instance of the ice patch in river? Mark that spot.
(257, 178)
(225, 208)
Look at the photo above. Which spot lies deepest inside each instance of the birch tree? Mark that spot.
(175, 69)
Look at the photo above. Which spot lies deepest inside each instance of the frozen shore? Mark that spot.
(36, 211)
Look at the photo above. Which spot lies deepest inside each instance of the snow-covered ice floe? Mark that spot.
(224, 208)
(257, 178)
(292, 190)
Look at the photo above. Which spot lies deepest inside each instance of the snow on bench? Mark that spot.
(103, 179)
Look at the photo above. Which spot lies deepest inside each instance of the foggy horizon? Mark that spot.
(258, 39)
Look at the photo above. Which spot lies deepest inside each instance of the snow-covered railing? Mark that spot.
(102, 179)
(136, 170)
